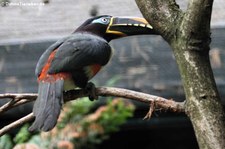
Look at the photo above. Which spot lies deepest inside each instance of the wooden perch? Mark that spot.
(155, 102)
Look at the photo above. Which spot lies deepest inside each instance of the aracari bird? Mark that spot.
(72, 61)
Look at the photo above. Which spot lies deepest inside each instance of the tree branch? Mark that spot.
(163, 15)
(155, 102)
(201, 21)
(195, 26)
(16, 124)
(15, 100)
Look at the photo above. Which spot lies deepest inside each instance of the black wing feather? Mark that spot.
(44, 57)
(78, 51)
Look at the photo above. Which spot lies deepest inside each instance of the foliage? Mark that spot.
(6, 142)
(79, 128)
(23, 135)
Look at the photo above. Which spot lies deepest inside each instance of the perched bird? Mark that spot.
(72, 61)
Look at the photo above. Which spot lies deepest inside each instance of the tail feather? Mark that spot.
(48, 105)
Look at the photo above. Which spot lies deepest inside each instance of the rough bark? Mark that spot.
(188, 33)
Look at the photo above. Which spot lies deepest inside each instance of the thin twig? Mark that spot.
(159, 102)
(16, 100)
(17, 123)
(7, 105)
(150, 111)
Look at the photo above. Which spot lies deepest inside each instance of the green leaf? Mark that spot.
(23, 135)
(6, 142)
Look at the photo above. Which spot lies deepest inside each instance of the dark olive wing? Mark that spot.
(78, 51)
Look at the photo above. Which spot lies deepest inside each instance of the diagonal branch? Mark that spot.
(16, 124)
(159, 102)
(15, 100)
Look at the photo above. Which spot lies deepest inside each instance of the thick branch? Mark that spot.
(159, 102)
(163, 15)
(192, 50)
(195, 27)
(189, 36)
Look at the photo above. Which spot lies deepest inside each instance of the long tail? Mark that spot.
(48, 105)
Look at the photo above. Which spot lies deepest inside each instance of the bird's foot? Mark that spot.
(90, 87)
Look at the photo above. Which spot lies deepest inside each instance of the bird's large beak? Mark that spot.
(127, 26)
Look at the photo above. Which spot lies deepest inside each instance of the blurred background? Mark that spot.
(141, 63)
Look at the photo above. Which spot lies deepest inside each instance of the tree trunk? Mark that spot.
(188, 33)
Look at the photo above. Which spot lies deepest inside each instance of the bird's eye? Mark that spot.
(104, 20)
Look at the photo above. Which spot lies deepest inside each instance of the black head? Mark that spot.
(109, 27)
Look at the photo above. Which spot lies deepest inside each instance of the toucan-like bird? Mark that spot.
(72, 61)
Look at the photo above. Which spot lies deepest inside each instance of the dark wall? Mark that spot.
(140, 62)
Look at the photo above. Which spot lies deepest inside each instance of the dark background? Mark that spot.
(141, 63)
